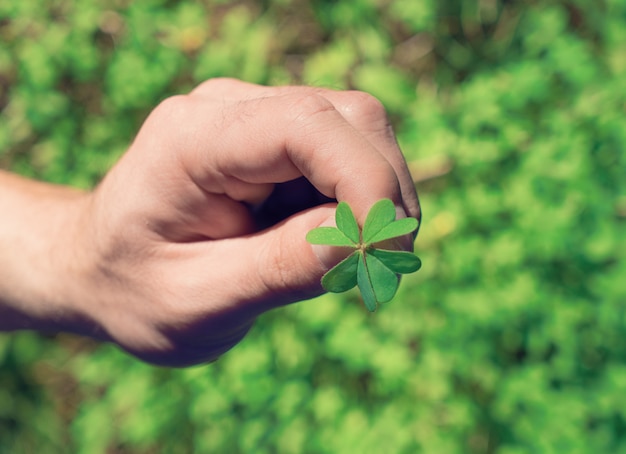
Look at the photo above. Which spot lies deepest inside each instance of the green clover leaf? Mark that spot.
(375, 271)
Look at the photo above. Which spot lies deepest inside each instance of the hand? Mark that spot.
(200, 227)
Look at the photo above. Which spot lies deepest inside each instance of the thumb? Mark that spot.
(288, 268)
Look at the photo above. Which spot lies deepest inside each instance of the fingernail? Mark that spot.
(404, 242)
(329, 256)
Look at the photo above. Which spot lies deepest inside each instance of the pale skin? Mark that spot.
(166, 257)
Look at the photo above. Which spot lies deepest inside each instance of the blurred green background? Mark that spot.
(510, 340)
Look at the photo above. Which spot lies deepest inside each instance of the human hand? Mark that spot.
(200, 227)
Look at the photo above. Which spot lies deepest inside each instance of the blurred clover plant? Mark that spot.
(373, 269)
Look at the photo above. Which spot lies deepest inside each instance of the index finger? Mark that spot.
(279, 138)
(363, 111)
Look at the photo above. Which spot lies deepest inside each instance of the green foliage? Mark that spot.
(373, 269)
(511, 116)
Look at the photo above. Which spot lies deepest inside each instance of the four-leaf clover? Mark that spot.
(374, 270)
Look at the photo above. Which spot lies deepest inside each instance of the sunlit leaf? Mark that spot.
(381, 214)
(342, 277)
(383, 280)
(375, 271)
(401, 262)
(346, 222)
(396, 228)
(330, 236)
(365, 285)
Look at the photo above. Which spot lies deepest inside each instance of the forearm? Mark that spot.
(38, 265)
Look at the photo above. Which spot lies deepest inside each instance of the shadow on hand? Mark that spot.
(286, 200)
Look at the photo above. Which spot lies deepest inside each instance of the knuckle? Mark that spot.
(274, 273)
(308, 105)
(172, 114)
(368, 106)
(216, 85)
(175, 120)
(278, 272)
(173, 108)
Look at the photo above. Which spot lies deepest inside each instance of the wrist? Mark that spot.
(42, 256)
